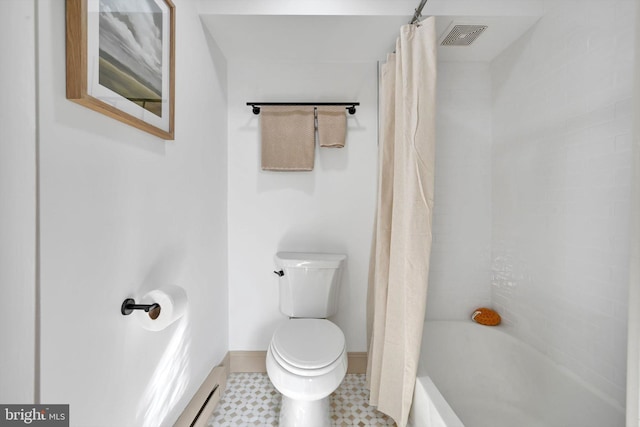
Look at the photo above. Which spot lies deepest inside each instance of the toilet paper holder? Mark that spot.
(129, 304)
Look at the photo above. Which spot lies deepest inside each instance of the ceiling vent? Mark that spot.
(462, 35)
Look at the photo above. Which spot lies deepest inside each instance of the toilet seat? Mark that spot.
(305, 372)
(308, 347)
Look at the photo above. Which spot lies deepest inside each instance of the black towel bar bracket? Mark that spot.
(349, 106)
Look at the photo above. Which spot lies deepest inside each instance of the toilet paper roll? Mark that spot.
(173, 305)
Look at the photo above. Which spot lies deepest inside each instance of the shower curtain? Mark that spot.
(401, 246)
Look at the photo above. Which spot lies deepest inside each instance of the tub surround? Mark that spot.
(533, 178)
(460, 274)
(561, 187)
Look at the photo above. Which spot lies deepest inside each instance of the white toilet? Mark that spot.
(307, 357)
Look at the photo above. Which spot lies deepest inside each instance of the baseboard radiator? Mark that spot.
(204, 402)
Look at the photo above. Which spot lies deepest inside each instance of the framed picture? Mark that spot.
(121, 60)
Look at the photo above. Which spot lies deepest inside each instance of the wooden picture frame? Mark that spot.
(121, 61)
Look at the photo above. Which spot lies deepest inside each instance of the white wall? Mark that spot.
(17, 202)
(561, 187)
(459, 279)
(633, 353)
(124, 212)
(329, 209)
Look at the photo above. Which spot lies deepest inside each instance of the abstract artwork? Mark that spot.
(120, 60)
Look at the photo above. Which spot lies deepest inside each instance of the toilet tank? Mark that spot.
(310, 284)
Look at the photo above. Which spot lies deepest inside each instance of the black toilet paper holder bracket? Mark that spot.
(129, 304)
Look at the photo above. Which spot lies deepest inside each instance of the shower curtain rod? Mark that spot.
(350, 106)
(418, 14)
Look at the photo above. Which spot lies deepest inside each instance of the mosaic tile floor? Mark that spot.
(251, 400)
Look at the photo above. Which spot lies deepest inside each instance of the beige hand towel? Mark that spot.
(332, 126)
(288, 138)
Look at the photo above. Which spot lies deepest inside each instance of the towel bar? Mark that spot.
(350, 106)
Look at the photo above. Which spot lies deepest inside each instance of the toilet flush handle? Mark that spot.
(279, 273)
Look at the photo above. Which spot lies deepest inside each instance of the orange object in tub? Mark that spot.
(486, 316)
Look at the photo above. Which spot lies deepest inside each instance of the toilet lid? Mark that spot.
(308, 343)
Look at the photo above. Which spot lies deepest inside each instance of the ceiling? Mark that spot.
(354, 31)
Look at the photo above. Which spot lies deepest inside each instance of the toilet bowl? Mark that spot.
(306, 362)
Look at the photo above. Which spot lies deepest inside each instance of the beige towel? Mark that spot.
(332, 126)
(288, 138)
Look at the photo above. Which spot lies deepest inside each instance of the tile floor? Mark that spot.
(251, 400)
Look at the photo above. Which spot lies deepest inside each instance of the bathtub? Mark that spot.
(479, 376)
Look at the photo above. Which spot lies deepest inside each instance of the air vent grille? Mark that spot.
(463, 35)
